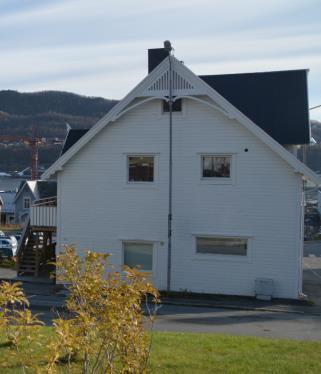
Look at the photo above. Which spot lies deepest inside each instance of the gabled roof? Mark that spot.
(189, 86)
(72, 137)
(40, 189)
(7, 201)
(29, 185)
(46, 189)
(276, 101)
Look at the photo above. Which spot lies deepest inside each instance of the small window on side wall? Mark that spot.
(140, 168)
(216, 166)
(222, 246)
(26, 202)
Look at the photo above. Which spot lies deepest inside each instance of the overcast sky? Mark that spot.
(99, 47)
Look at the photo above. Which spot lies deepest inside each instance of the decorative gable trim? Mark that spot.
(181, 85)
(163, 83)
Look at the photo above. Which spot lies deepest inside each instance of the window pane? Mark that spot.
(140, 169)
(222, 166)
(216, 166)
(207, 166)
(222, 246)
(139, 254)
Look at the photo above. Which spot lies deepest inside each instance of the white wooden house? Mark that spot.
(236, 193)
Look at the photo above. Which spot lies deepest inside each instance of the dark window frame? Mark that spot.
(150, 174)
(215, 174)
(26, 199)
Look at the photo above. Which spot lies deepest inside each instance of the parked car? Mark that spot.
(2, 233)
(6, 247)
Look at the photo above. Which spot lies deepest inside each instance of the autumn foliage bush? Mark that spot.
(102, 330)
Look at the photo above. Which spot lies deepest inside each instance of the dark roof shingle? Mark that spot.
(72, 137)
(276, 101)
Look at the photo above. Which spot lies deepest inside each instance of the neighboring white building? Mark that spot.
(236, 192)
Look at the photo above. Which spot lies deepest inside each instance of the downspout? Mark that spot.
(170, 169)
(302, 206)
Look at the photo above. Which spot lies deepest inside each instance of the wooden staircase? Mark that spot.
(34, 251)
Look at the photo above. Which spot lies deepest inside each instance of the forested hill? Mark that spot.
(14, 102)
(49, 111)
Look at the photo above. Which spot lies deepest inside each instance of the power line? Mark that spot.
(314, 107)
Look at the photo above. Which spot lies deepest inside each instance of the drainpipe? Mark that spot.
(168, 47)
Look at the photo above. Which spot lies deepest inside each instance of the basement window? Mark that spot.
(221, 246)
(140, 168)
(138, 254)
(176, 107)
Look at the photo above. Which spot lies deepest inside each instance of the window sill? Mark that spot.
(141, 185)
(207, 181)
(222, 258)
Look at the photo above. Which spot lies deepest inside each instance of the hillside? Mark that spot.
(48, 112)
(33, 103)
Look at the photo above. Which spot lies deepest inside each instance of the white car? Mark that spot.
(2, 233)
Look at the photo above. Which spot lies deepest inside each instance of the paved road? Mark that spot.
(255, 323)
(241, 322)
(235, 322)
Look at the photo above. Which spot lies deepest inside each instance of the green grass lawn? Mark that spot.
(211, 353)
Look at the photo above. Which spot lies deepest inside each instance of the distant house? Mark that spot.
(7, 207)
(28, 193)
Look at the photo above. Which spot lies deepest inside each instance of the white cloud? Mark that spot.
(98, 47)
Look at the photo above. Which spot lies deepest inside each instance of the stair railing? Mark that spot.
(22, 243)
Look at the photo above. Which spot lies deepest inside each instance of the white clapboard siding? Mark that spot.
(43, 216)
(98, 210)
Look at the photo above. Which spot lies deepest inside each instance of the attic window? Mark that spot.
(177, 106)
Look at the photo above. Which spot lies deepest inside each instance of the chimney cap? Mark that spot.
(168, 46)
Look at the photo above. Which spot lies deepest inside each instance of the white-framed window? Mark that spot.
(138, 254)
(217, 168)
(140, 168)
(221, 246)
(26, 202)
